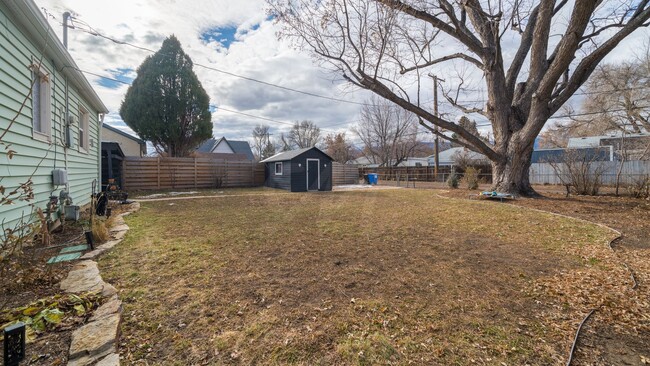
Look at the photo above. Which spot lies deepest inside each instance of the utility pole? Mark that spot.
(66, 17)
(435, 113)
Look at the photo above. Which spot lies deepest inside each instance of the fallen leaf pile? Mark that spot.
(54, 312)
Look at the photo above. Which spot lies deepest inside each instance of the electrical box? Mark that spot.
(59, 177)
(72, 213)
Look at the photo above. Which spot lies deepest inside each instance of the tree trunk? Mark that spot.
(511, 175)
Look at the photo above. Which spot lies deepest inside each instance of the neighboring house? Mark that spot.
(224, 147)
(451, 156)
(634, 145)
(301, 170)
(364, 162)
(56, 134)
(414, 162)
(129, 144)
(605, 153)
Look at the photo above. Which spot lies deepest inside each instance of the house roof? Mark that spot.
(237, 147)
(448, 156)
(127, 135)
(288, 155)
(241, 147)
(33, 23)
(594, 141)
(207, 146)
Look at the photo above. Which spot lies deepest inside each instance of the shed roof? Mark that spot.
(288, 155)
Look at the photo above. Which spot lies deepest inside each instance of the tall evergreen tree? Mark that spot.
(166, 103)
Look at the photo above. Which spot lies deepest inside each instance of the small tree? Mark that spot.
(166, 103)
(303, 134)
(338, 147)
(262, 142)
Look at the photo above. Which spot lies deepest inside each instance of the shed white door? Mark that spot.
(313, 174)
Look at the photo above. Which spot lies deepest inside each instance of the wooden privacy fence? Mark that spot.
(344, 174)
(188, 173)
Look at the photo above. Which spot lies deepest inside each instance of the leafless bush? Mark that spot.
(640, 188)
(471, 178)
(580, 171)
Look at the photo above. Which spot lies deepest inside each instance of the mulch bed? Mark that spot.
(25, 277)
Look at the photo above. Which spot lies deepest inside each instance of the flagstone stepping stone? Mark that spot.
(95, 340)
(84, 277)
(111, 360)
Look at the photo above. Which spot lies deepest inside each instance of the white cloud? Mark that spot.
(255, 52)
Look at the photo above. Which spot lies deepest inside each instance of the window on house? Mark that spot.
(83, 129)
(41, 116)
(278, 168)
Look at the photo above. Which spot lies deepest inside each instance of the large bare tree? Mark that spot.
(303, 134)
(533, 56)
(388, 132)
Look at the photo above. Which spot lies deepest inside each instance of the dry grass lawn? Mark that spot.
(362, 278)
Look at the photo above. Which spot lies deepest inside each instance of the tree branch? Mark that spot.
(458, 55)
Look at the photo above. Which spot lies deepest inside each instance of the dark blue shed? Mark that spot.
(301, 170)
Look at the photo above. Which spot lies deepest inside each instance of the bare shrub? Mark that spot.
(640, 187)
(452, 181)
(580, 171)
(471, 178)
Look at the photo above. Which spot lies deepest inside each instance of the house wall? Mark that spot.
(35, 156)
(279, 181)
(223, 148)
(129, 147)
(299, 171)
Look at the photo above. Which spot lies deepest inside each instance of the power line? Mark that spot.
(95, 33)
(327, 128)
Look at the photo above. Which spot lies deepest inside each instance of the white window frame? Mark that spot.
(278, 164)
(45, 104)
(84, 128)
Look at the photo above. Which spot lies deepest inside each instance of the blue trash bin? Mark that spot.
(373, 178)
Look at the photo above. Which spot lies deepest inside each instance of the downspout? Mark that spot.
(66, 120)
(99, 147)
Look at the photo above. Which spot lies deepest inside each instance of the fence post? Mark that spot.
(195, 174)
(158, 170)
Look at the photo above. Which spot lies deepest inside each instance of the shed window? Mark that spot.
(40, 104)
(83, 130)
(278, 168)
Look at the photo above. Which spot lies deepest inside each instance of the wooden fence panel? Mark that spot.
(344, 174)
(189, 173)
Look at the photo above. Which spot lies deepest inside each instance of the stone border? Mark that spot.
(96, 342)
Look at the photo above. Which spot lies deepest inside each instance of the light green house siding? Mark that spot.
(34, 157)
